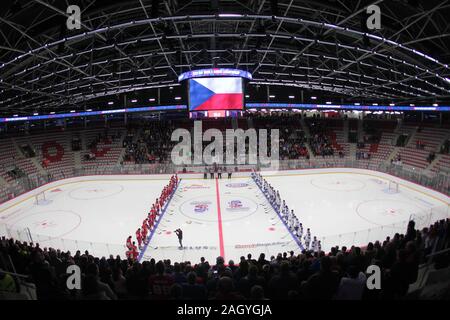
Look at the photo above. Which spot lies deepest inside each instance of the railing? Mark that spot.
(361, 238)
(96, 248)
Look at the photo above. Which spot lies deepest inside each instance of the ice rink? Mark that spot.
(228, 217)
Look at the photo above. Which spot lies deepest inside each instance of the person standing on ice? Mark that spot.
(315, 244)
(278, 201)
(179, 234)
(139, 237)
(307, 239)
(230, 172)
(129, 243)
(286, 214)
(300, 231)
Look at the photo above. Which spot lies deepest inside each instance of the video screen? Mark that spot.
(222, 93)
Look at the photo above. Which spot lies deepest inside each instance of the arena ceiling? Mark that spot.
(126, 46)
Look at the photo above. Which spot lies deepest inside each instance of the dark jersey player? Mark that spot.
(179, 234)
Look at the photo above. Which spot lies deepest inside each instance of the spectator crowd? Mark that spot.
(338, 274)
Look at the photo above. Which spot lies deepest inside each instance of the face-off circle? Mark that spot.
(51, 223)
(96, 191)
(337, 183)
(388, 211)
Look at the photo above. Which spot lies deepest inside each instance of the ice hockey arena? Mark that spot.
(245, 150)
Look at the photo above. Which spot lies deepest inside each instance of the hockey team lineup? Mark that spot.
(276, 214)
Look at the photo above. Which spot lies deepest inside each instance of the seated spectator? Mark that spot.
(257, 293)
(161, 282)
(91, 290)
(226, 291)
(92, 272)
(193, 290)
(282, 283)
(352, 286)
(324, 284)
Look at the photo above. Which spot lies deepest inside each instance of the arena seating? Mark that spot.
(442, 163)
(107, 149)
(156, 138)
(57, 145)
(53, 151)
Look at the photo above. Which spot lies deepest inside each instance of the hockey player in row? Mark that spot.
(289, 217)
(132, 252)
(150, 221)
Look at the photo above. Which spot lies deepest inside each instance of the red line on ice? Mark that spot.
(219, 221)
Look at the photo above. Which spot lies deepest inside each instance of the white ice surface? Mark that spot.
(341, 206)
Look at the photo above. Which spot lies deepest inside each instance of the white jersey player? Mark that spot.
(296, 224)
(315, 245)
(307, 239)
(290, 223)
(300, 230)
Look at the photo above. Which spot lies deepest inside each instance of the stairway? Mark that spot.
(352, 151)
(411, 139)
(440, 164)
(345, 130)
(393, 154)
(34, 160)
(3, 182)
(360, 132)
(77, 159)
(136, 137)
(305, 129)
(121, 156)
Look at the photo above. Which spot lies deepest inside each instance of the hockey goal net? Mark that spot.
(393, 186)
(40, 198)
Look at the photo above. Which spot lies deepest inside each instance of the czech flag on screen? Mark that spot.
(215, 94)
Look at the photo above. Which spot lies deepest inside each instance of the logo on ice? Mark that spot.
(201, 207)
(235, 204)
(237, 150)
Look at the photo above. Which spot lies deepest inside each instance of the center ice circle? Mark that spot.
(232, 207)
(337, 183)
(383, 212)
(96, 191)
(52, 223)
